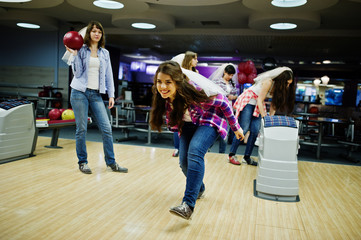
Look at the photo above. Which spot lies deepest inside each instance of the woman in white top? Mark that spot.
(92, 76)
(277, 84)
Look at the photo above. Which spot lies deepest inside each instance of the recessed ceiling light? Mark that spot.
(288, 3)
(28, 25)
(15, 1)
(153, 61)
(108, 4)
(283, 26)
(143, 25)
(136, 55)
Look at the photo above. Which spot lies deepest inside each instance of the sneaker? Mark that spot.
(182, 210)
(116, 168)
(250, 161)
(175, 153)
(84, 168)
(201, 195)
(234, 160)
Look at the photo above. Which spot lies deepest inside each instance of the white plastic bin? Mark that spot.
(277, 171)
(17, 132)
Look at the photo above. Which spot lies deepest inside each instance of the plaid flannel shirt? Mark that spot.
(244, 99)
(214, 113)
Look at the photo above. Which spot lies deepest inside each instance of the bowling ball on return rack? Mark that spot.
(54, 114)
(68, 114)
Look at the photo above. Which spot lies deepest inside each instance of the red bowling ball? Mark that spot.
(73, 40)
(54, 114)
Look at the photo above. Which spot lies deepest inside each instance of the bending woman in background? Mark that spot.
(92, 76)
(223, 77)
(198, 117)
(277, 84)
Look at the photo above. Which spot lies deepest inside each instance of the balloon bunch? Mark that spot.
(246, 72)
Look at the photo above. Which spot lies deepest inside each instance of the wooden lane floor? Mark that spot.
(47, 197)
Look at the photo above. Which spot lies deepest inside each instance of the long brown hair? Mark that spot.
(89, 28)
(188, 56)
(186, 94)
(283, 97)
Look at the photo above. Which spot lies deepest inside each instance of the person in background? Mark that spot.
(92, 76)
(198, 117)
(225, 76)
(277, 84)
(188, 60)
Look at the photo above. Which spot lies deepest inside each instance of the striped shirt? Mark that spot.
(220, 82)
(214, 113)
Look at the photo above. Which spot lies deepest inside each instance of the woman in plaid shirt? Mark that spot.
(197, 117)
(277, 84)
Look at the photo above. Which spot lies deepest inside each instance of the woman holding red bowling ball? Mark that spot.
(93, 76)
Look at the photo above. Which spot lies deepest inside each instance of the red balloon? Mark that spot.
(254, 70)
(249, 67)
(241, 67)
(251, 77)
(73, 40)
(242, 78)
(54, 114)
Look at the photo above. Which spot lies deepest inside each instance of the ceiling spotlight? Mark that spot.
(108, 4)
(15, 1)
(143, 25)
(283, 26)
(288, 3)
(28, 25)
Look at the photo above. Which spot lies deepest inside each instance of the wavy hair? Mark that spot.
(87, 39)
(283, 97)
(188, 56)
(186, 94)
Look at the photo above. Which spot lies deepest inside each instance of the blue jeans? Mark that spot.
(193, 146)
(248, 123)
(81, 102)
(222, 145)
(176, 140)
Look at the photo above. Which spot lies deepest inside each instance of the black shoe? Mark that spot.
(182, 210)
(83, 167)
(250, 161)
(116, 168)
